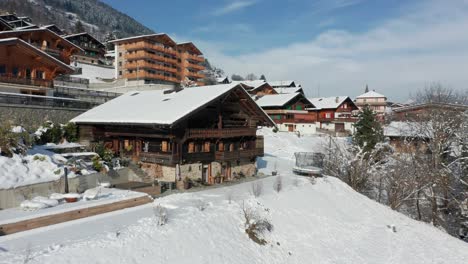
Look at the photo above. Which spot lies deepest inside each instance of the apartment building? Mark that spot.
(157, 59)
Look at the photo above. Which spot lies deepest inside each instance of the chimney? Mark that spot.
(337, 99)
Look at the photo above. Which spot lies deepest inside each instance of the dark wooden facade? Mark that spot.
(222, 132)
(46, 41)
(93, 50)
(21, 63)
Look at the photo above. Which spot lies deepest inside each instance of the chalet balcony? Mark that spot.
(160, 158)
(338, 119)
(198, 157)
(149, 46)
(195, 58)
(146, 75)
(18, 80)
(195, 75)
(143, 64)
(238, 154)
(196, 66)
(141, 55)
(220, 133)
(294, 121)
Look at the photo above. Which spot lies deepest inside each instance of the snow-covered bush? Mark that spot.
(256, 188)
(278, 184)
(11, 142)
(55, 133)
(160, 213)
(255, 225)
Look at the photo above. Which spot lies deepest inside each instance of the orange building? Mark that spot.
(46, 41)
(157, 59)
(24, 64)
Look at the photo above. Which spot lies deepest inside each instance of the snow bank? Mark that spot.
(30, 169)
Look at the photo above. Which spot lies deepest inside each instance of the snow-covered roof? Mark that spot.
(146, 36)
(276, 99)
(286, 83)
(24, 43)
(15, 32)
(254, 84)
(156, 107)
(328, 102)
(222, 79)
(287, 90)
(371, 94)
(84, 33)
(408, 129)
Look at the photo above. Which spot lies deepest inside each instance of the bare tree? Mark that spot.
(256, 188)
(278, 184)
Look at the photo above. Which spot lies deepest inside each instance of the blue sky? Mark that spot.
(335, 46)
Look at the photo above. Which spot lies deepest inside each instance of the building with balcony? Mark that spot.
(289, 112)
(257, 87)
(93, 50)
(47, 41)
(157, 59)
(26, 69)
(205, 133)
(334, 114)
(375, 101)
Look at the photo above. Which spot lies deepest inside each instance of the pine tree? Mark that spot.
(262, 77)
(368, 130)
(79, 28)
(367, 89)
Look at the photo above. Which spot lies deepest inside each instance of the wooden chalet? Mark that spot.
(257, 87)
(289, 112)
(206, 133)
(46, 41)
(334, 114)
(4, 26)
(93, 50)
(54, 29)
(422, 112)
(408, 137)
(223, 80)
(24, 64)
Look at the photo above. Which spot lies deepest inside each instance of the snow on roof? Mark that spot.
(281, 83)
(41, 29)
(18, 40)
(371, 94)
(84, 33)
(222, 79)
(254, 83)
(408, 129)
(95, 73)
(144, 36)
(328, 102)
(154, 107)
(276, 99)
(287, 90)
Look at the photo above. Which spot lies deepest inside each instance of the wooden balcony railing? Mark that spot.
(199, 156)
(142, 45)
(195, 66)
(18, 80)
(339, 119)
(141, 55)
(195, 58)
(161, 158)
(220, 133)
(144, 64)
(143, 74)
(238, 154)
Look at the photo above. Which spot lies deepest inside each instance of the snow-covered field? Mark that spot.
(325, 222)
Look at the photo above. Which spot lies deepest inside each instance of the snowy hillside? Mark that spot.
(325, 222)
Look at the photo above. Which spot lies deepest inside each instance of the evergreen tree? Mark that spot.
(368, 130)
(236, 77)
(367, 89)
(109, 37)
(262, 77)
(251, 77)
(79, 28)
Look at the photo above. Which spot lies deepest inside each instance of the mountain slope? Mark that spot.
(97, 17)
(325, 222)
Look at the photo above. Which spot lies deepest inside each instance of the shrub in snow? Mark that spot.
(256, 226)
(97, 163)
(229, 196)
(278, 184)
(160, 213)
(256, 188)
(49, 133)
(312, 180)
(9, 142)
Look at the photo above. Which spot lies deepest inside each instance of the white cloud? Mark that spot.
(232, 7)
(404, 54)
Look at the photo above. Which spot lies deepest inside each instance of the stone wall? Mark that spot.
(31, 117)
(13, 197)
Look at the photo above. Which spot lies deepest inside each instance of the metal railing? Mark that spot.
(45, 101)
(31, 81)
